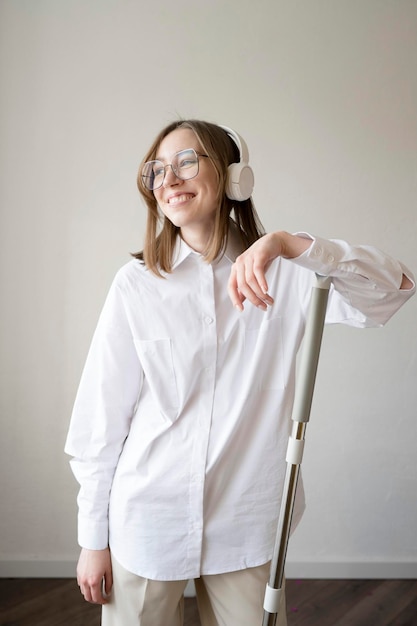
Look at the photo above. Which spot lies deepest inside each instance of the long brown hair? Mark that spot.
(161, 233)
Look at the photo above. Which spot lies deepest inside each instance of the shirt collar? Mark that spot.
(233, 248)
(181, 252)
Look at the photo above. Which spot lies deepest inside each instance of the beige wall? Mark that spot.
(325, 93)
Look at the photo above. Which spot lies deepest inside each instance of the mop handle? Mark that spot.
(311, 350)
(306, 378)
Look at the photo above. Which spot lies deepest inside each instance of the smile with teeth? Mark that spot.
(180, 198)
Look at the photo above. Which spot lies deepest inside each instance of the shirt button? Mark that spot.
(330, 258)
(318, 251)
(208, 320)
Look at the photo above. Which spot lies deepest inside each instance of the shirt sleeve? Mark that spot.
(100, 421)
(365, 281)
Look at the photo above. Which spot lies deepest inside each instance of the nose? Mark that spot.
(170, 177)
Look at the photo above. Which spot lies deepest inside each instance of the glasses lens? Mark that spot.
(185, 164)
(153, 174)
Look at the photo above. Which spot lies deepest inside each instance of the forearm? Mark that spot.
(366, 279)
(339, 259)
(95, 480)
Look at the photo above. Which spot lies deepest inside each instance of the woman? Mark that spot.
(180, 425)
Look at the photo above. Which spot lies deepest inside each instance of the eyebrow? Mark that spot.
(159, 158)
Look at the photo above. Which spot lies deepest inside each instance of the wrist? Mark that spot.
(291, 246)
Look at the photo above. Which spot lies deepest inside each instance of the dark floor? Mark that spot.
(58, 602)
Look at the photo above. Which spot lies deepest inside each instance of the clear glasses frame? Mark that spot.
(184, 164)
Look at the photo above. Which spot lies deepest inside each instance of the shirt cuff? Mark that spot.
(322, 257)
(93, 535)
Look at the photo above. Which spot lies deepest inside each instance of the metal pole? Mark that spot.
(301, 414)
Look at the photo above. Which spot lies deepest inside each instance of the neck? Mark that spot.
(196, 241)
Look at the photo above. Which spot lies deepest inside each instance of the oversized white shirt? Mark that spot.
(181, 421)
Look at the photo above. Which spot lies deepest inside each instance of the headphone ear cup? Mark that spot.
(240, 181)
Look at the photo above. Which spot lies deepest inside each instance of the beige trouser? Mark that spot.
(232, 599)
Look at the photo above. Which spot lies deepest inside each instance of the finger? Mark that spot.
(85, 590)
(259, 273)
(107, 585)
(235, 295)
(258, 288)
(255, 277)
(248, 284)
(93, 594)
(248, 294)
(244, 289)
(97, 594)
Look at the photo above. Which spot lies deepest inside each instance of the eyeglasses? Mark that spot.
(184, 165)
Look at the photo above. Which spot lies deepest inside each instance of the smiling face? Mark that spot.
(189, 204)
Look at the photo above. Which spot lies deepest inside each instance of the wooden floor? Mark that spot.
(57, 602)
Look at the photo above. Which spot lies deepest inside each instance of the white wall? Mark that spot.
(325, 93)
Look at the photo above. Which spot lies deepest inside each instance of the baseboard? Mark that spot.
(38, 569)
(351, 570)
(319, 570)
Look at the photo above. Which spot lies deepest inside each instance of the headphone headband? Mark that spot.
(240, 178)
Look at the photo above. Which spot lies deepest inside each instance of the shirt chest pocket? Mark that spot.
(156, 357)
(264, 350)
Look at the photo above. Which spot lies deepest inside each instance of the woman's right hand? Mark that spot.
(94, 568)
(247, 277)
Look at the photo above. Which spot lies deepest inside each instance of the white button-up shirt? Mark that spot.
(181, 421)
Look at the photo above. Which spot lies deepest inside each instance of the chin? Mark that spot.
(178, 223)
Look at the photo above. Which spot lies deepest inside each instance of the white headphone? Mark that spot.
(240, 178)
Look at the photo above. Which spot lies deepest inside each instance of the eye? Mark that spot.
(158, 170)
(187, 162)
(186, 159)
